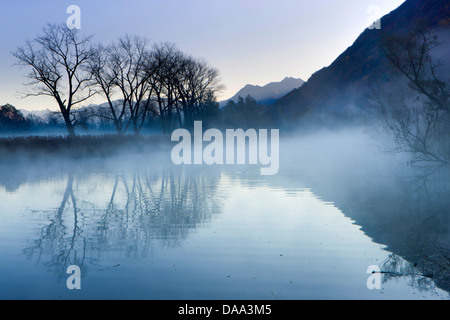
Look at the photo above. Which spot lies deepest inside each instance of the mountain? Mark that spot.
(268, 93)
(36, 113)
(339, 92)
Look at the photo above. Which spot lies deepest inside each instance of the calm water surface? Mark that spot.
(144, 231)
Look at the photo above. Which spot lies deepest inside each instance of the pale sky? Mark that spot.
(249, 41)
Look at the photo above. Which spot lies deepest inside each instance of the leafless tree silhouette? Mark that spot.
(420, 119)
(58, 61)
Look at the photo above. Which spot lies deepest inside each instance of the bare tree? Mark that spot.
(129, 61)
(58, 61)
(411, 55)
(199, 82)
(104, 78)
(183, 87)
(420, 120)
(167, 63)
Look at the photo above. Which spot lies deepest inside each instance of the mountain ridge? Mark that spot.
(268, 93)
(339, 89)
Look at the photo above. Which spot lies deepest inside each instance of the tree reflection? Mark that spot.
(406, 211)
(426, 245)
(395, 266)
(145, 209)
(63, 239)
(409, 215)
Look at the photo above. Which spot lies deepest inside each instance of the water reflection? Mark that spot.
(406, 209)
(62, 240)
(299, 231)
(140, 209)
(413, 223)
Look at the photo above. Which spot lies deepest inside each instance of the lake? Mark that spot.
(139, 227)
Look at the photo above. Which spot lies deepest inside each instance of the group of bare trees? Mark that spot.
(138, 79)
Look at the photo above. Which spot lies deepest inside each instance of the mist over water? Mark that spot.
(140, 227)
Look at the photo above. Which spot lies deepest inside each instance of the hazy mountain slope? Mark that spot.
(270, 92)
(338, 91)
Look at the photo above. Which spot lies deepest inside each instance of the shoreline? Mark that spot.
(84, 146)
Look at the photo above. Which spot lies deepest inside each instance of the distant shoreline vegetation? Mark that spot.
(82, 146)
(244, 113)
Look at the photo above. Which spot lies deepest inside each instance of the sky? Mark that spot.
(248, 41)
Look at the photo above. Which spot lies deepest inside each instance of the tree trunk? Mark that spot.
(69, 125)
